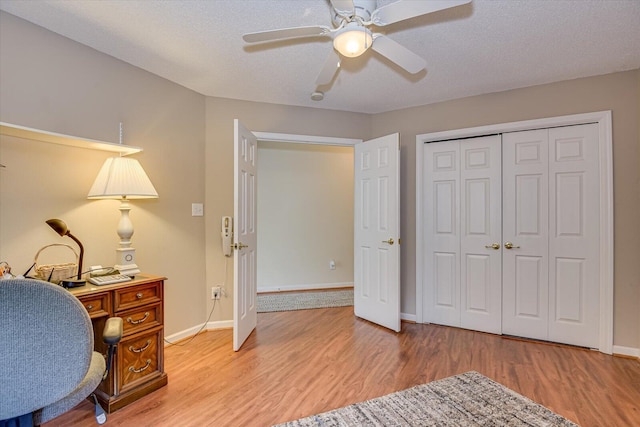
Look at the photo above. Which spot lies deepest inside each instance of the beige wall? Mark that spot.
(305, 216)
(617, 92)
(52, 83)
(49, 82)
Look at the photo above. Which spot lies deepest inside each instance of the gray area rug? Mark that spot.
(287, 301)
(468, 399)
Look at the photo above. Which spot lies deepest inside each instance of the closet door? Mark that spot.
(574, 246)
(442, 233)
(525, 161)
(551, 219)
(480, 234)
(463, 233)
(535, 197)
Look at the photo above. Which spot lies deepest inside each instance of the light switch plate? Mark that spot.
(197, 209)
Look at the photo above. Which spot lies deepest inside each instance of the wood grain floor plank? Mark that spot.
(303, 362)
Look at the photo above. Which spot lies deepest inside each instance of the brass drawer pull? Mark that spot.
(137, 322)
(137, 371)
(89, 307)
(139, 295)
(140, 350)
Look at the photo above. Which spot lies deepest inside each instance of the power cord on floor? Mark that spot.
(223, 287)
(196, 334)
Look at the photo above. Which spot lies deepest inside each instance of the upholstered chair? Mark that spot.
(47, 362)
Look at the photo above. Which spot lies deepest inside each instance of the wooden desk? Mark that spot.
(138, 367)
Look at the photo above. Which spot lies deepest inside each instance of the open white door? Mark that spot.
(377, 231)
(245, 242)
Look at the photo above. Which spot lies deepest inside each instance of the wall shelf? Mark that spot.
(61, 139)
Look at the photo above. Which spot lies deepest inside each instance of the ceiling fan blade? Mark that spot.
(402, 9)
(286, 33)
(398, 54)
(329, 69)
(343, 7)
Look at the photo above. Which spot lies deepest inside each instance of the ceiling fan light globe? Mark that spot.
(353, 41)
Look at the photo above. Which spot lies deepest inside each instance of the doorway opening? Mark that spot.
(305, 217)
(305, 220)
(376, 216)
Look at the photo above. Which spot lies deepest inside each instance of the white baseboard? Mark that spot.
(626, 351)
(309, 287)
(183, 334)
(220, 324)
(408, 317)
(210, 326)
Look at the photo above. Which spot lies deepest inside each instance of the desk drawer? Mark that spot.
(139, 319)
(97, 305)
(136, 296)
(139, 359)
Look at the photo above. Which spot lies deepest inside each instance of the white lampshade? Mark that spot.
(353, 40)
(122, 177)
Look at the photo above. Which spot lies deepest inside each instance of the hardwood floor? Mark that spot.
(303, 362)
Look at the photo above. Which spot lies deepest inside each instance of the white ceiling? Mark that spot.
(482, 47)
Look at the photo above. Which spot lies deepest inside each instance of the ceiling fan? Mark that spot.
(352, 36)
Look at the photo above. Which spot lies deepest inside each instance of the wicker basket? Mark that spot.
(56, 272)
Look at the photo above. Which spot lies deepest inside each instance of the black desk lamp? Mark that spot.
(60, 227)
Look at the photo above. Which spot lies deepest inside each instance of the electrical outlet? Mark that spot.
(215, 292)
(332, 265)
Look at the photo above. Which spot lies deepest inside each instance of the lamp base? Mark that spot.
(126, 261)
(75, 283)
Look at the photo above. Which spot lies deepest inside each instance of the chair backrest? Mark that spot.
(46, 343)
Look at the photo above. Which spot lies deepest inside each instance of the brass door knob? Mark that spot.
(239, 246)
(510, 245)
(495, 246)
(390, 241)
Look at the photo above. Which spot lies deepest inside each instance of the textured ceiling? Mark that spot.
(482, 47)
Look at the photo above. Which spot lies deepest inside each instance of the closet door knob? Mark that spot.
(510, 245)
(495, 246)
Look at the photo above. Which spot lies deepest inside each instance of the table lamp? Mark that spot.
(123, 178)
(61, 228)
